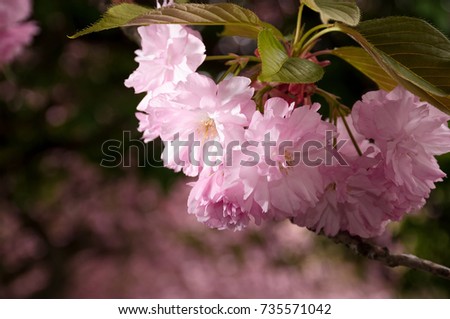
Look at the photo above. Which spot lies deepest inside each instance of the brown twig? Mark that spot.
(372, 251)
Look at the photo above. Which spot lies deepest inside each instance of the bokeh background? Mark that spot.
(70, 228)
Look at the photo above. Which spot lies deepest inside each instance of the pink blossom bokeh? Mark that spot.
(103, 238)
(15, 33)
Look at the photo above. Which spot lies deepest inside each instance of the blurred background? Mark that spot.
(70, 228)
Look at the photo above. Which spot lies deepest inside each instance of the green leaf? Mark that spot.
(412, 52)
(272, 53)
(227, 14)
(414, 44)
(345, 11)
(277, 66)
(363, 62)
(114, 17)
(296, 70)
(249, 32)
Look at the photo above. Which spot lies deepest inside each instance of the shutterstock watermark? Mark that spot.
(191, 151)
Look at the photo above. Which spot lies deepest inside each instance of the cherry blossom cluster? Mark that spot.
(15, 34)
(398, 136)
(277, 159)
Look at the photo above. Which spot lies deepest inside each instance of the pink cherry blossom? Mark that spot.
(281, 183)
(198, 111)
(408, 133)
(356, 200)
(14, 34)
(13, 11)
(216, 199)
(348, 150)
(169, 53)
(149, 116)
(399, 136)
(413, 172)
(399, 116)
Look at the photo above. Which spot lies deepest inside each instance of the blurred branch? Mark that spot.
(372, 251)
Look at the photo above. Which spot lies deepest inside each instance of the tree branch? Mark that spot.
(372, 251)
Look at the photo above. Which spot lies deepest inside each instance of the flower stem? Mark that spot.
(219, 57)
(321, 52)
(298, 30)
(299, 44)
(308, 45)
(259, 97)
(334, 104)
(349, 131)
(232, 57)
(233, 68)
